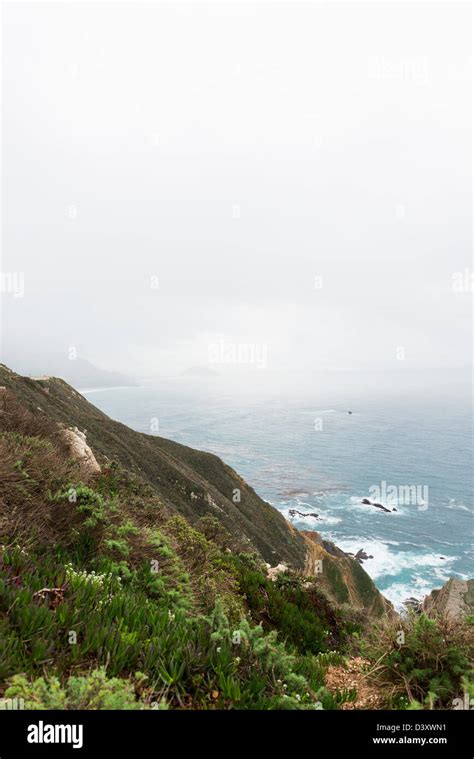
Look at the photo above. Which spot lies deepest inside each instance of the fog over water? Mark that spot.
(276, 194)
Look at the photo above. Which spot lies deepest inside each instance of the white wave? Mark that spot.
(392, 542)
(329, 518)
(310, 522)
(300, 502)
(333, 498)
(458, 505)
(398, 592)
(307, 523)
(419, 587)
(387, 563)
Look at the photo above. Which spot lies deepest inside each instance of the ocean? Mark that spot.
(315, 462)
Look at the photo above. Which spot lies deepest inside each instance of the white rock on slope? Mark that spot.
(80, 449)
(273, 572)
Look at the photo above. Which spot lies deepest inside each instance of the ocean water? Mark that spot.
(314, 457)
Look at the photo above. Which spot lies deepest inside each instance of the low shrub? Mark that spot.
(64, 619)
(94, 691)
(421, 661)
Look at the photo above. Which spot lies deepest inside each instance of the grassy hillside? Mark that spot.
(191, 482)
(195, 484)
(144, 585)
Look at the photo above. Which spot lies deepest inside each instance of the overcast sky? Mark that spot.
(183, 180)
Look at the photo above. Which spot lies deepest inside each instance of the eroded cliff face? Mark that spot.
(455, 599)
(342, 578)
(195, 484)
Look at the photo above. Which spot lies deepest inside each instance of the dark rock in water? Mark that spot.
(414, 604)
(361, 556)
(295, 512)
(442, 557)
(394, 509)
(380, 506)
(349, 412)
(377, 505)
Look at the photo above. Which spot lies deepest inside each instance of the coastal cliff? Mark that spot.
(455, 599)
(196, 484)
(137, 573)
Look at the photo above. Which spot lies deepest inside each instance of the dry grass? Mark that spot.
(15, 417)
(34, 458)
(355, 675)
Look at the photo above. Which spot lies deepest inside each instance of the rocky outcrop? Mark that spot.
(455, 599)
(361, 556)
(342, 578)
(80, 450)
(367, 502)
(303, 514)
(273, 572)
